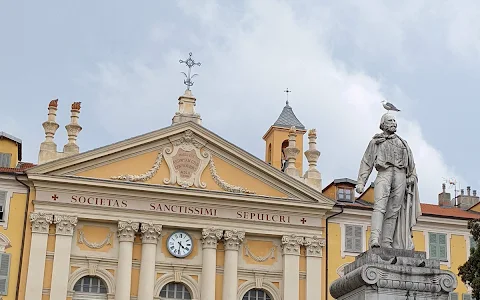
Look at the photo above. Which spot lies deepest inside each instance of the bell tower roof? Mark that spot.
(287, 118)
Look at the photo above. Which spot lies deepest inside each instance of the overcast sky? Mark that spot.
(339, 58)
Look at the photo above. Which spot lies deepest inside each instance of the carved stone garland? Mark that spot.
(270, 254)
(93, 245)
(186, 163)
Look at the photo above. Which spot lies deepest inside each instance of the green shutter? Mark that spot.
(432, 245)
(349, 238)
(453, 296)
(442, 246)
(466, 297)
(4, 272)
(437, 246)
(358, 239)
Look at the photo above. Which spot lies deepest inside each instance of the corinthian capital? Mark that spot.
(232, 239)
(210, 236)
(127, 230)
(40, 221)
(314, 246)
(291, 244)
(65, 224)
(150, 232)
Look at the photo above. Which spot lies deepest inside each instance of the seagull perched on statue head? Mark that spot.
(389, 106)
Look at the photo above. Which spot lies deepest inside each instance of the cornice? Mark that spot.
(252, 161)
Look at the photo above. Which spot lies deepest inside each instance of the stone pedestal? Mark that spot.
(392, 274)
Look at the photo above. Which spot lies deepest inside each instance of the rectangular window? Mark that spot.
(467, 297)
(4, 272)
(438, 246)
(5, 160)
(3, 202)
(353, 238)
(453, 296)
(344, 194)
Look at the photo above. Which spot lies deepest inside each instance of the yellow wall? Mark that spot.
(14, 232)
(275, 137)
(26, 249)
(8, 146)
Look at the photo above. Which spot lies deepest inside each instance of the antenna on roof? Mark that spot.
(453, 182)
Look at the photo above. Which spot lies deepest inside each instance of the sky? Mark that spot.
(339, 58)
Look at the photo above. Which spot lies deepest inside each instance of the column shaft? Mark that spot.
(61, 260)
(314, 266)
(210, 237)
(232, 241)
(38, 252)
(146, 285)
(291, 266)
(126, 235)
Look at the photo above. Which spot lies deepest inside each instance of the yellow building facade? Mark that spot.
(181, 213)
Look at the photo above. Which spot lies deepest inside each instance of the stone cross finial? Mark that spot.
(48, 148)
(291, 153)
(312, 176)
(72, 130)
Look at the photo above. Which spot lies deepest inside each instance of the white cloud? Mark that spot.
(248, 59)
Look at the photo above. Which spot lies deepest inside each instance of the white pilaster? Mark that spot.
(210, 237)
(291, 266)
(313, 247)
(38, 252)
(126, 235)
(65, 225)
(232, 240)
(150, 235)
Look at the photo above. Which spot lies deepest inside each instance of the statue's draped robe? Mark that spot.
(403, 237)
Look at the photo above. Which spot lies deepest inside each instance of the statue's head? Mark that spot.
(388, 123)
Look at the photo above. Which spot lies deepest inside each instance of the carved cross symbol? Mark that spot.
(303, 221)
(54, 197)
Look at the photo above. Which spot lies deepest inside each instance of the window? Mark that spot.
(467, 297)
(353, 238)
(4, 272)
(5, 160)
(256, 294)
(453, 296)
(437, 246)
(473, 244)
(175, 290)
(91, 284)
(344, 194)
(3, 202)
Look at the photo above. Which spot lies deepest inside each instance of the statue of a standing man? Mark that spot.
(397, 205)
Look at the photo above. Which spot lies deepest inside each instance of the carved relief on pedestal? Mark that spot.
(233, 239)
(314, 246)
(40, 221)
(65, 224)
(291, 244)
(127, 230)
(185, 161)
(210, 237)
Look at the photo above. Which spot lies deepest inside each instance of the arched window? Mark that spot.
(92, 287)
(175, 290)
(256, 294)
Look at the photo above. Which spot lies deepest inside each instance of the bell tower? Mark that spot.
(276, 139)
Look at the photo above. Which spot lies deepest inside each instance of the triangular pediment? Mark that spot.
(184, 155)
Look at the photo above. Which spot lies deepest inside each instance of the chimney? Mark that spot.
(462, 192)
(312, 176)
(474, 193)
(444, 197)
(48, 148)
(468, 190)
(290, 153)
(72, 130)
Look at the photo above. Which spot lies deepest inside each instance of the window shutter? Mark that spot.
(432, 243)
(4, 272)
(3, 202)
(358, 238)
(453, 296)
(466, 297)
(349, 238)
(442, 246)
(5, 159)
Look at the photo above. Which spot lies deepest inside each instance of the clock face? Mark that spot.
(180, 244)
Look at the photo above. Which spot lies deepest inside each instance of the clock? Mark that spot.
(180, 244)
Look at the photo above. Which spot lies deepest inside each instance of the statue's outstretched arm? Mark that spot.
(367, 163)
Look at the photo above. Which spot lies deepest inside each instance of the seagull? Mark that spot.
(389, 106)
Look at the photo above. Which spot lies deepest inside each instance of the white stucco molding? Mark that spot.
(269, 287)
(102, 273)
(343, 252)
(4, 243)
(191, 284)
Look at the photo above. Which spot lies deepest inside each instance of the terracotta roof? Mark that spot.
(21, 167)
(427, 210)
